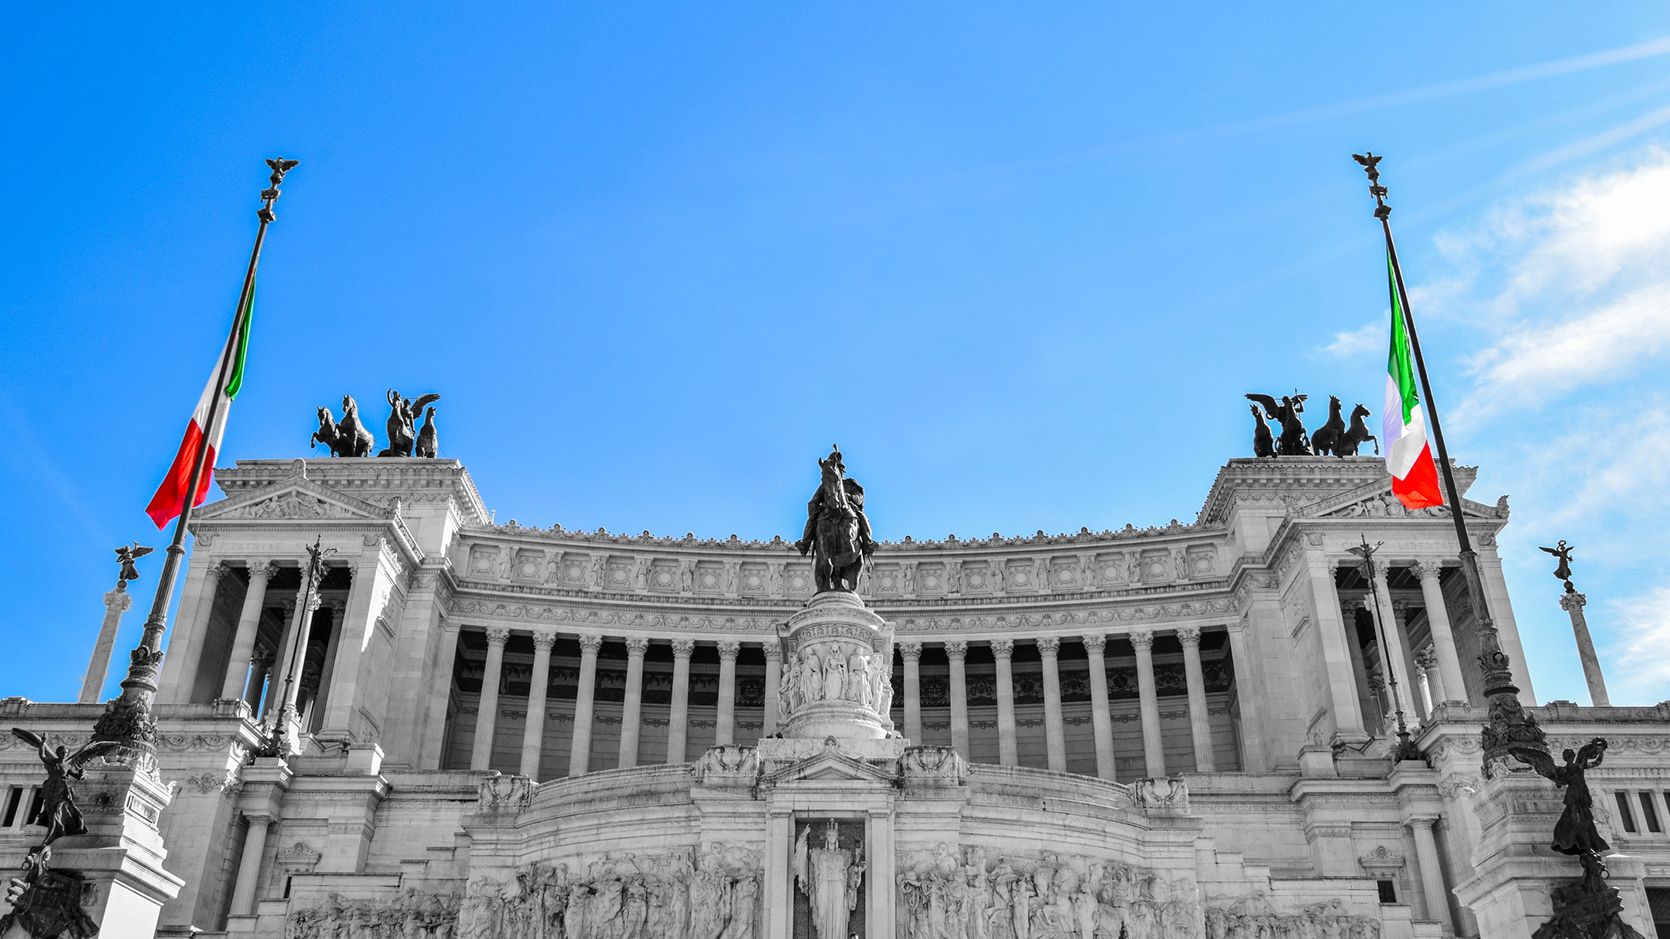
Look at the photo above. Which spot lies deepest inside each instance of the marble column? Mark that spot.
(678, 713)
(1501, 611)
(1055, 736)
(1368, 696)
(249, 624)
(539, 687)
(957, 653)
(433, 746)
(116, 602)
(1253, 757)
(260, 666)
(1443, 638)
(1153, 746)
(880, 853)
(911, 652)
(1200, 724)
(1400, 617)
(1008, 754)
(773, 682)
(579, 754)
(326, 693)
(1101, 716)
(1427, 677)
(286, 643)
(632, 711)
(1432, 876)
(724, 731)
(1398, 655)
(1336, 645)
(487, 710)
(191, 621)
(249, 865)
(1573, 603)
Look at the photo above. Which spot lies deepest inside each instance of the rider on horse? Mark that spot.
(823, 500)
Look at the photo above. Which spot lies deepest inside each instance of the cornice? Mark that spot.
(1296, 481)
(952, 545)
(372, 479)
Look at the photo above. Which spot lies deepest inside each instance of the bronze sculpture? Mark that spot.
(837, 528)
(402, 422)
(1326, 439)
(57, 812)
(1263, 443)
(125, 556)
(427, 445)
(1563, 569)
(1357, 433)
(1293, 440)
(349, 438)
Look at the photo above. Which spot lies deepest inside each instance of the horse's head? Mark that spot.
(349, 406)
(831, 470)
(429, 413)
(1359, 411)
(325, 417)
(1333, 403)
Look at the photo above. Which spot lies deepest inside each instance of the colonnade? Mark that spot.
(910, 702)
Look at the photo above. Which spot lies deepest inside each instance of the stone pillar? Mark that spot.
(433, 747)
(1432, 876)
(912, 654)
(260, 666)
(1253, 757)
(1101, 717)
(249, 624)
(249, 867)
(539, 687)
(286, 643)
(1336, 655)
(1200, 725)
(191, 620)
(957, 653)
(1426, 676)
(1368, 692)
(678, 715)
(579, 754)
(1400, 617)
(724, 731)
(879, 854)
(1055, 736)
(487, 710)
(777, 893)
(324, 698)
(632, 711)
(773, 682)
(1501, 611)
(116, 603)
(1454, 687)
(1573, 602)
(1397, 656)
(1153, 747)
(1008, 755)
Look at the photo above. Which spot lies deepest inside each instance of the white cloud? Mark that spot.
(1370, 338)
(1643, 669)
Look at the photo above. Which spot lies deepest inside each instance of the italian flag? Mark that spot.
(1408, 453)
(170, 499)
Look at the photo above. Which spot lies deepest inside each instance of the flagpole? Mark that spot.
(1509, 726)
(127, 717)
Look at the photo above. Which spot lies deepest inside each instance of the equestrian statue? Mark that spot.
(348, 438)
(1337, 439)
(837, 530)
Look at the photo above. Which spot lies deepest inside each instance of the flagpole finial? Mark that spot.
(280, 166)
(1371, 165)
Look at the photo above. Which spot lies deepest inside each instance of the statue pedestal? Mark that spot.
(837, 671)
(120, 857)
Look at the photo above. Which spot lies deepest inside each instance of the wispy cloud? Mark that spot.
(1644, 670)
(1370, 338)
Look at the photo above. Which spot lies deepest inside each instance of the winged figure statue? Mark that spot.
(1575, 833)
(125, 556)
(58, 813)
(402, 423)
(1293, 440)
(1563, 569)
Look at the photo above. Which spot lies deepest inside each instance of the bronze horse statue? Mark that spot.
(1325, 440)
(1263, 443)
(427, 445)
(1356, 434)
(837, 532)
(349, 438)
(402, 422)
(1294, 441)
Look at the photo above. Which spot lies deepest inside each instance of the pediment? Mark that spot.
(832, 767)
(1377, 501)
(294, 498)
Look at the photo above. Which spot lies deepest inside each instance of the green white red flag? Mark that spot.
(170, 499)
(1408, 452)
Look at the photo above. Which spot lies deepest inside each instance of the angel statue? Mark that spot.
(57, 812)
(1293, 440)
(1563, 569)
(1575, 833)
(126, 555)
(402, 423)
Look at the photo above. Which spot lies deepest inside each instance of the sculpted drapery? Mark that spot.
(830, 877)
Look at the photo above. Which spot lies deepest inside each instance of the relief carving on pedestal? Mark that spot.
(1253, 917)
(410, 915)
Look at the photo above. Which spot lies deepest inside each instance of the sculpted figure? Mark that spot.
(834, 676)
(349, 438)
(57, 812)
(1326, 439)
(858, 679)
(1575, 833)
(402, 422)
(1294, 441)
(811, 677)
(1264, 444)
(830, 877)
(837, 528)
(427, 444)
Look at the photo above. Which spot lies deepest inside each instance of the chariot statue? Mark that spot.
(837, 531)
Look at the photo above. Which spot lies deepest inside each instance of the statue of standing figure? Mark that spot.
(402, 422)
(830, 876)
(837, 530)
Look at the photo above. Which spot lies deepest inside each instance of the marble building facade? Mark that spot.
(1168, 732)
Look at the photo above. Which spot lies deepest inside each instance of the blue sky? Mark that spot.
(1021, 263)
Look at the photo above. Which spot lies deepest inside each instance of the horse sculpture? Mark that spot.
(1326, 439)
(1293, 441)
(402, 422)
(1356, 434)
(1263, 443)
(348, 438)
(427, 445)
(837, 533)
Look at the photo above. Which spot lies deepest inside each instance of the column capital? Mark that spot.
(1428, 569)
(214, 571)
(263, 568)
(497, 636)
(118, 599)
(911, 651)
(773, 651)
(1050, 646)
(683, 647)
(590, 644)
(1189, 636)
(1142, 639)
(1572, 602)
(1095, 643)
(729, 648)
(1381, 569)
(544, 641)
(956, 649)
(1332, 565)
(1350, 605)
(637, 646)
(1427, 658)
(1400, 608)
(1003, 648)
(259, 818)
